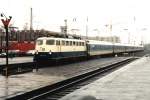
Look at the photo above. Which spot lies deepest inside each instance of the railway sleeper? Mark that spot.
(59, 94)
(50, 98)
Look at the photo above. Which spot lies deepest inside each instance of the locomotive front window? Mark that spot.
(50, 42)
(39, 42)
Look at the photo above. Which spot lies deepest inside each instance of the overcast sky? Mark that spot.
(128, 17)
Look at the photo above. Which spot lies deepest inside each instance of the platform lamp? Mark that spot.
(6, 24)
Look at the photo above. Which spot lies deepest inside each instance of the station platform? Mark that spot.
(19, 84)
(16, 60)
(131, 82)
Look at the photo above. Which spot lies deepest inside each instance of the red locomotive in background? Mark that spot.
(21, 48)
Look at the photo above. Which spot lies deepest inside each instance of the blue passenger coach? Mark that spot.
(99, 48)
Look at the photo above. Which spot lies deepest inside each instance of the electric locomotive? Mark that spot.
(49, 48)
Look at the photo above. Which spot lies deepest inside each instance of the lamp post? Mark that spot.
(128, 35)
(142, 41)
(6, 24)
(98, 33)
(66, 28)
(87, 28)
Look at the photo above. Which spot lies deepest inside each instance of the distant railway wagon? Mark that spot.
(48, 48)
(19, 48)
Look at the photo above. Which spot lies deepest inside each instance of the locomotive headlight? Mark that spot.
(50, 52)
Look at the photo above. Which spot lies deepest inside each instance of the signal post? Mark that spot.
(6, 24)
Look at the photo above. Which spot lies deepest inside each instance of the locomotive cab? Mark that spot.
(46, 48)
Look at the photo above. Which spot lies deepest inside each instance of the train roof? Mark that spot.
(130, 45)
(109, 43)
(90, 41)
(99, 42)
(54, 38)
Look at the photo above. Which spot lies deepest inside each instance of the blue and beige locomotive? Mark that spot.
(51, 48)
(48, 48)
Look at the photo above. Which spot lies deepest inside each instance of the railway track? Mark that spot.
(60, 89)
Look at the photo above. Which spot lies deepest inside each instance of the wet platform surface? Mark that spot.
(16, 60)
(131, 82)
(18, 84)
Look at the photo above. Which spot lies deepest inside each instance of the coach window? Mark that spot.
(39, 42)
(50, 42)
(83, 43)
(77, 43)
(67, 43)
(70, 43)
(63, 42)
(57, 42)
(74, 43)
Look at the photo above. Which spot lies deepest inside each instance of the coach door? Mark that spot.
(58, 47)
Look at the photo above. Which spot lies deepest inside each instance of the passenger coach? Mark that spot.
(99, 48)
